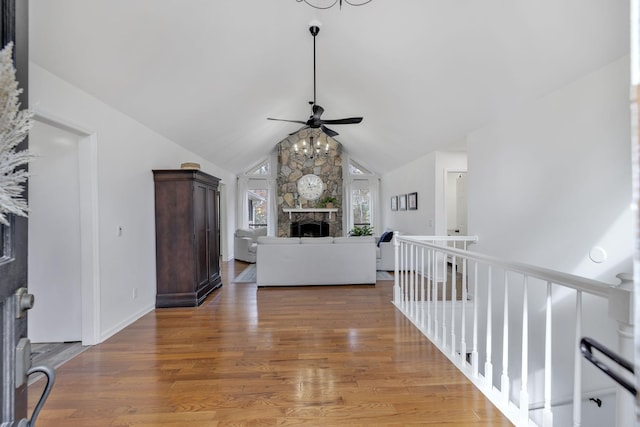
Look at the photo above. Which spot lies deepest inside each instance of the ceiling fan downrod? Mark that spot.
(314, 30)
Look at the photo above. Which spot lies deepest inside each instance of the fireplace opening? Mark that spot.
(309, 229)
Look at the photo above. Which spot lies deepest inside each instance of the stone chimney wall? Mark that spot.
(290, 169)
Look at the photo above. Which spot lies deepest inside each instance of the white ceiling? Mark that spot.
(422, 73)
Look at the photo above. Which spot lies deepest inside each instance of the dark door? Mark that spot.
(200, 231)
(213, 233)
(13, 240)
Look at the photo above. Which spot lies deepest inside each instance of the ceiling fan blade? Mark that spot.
(291, 121)
(347, 121)
(317, 111)
(328, 131)
(302, 128)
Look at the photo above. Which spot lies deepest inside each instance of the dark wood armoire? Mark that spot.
(187, 237)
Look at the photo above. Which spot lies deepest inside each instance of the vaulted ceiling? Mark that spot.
(422, 73)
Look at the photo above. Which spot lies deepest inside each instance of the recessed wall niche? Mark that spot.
(290, 169)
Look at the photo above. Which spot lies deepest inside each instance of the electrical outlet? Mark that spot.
(134, 294)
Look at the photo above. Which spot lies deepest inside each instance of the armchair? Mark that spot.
(245, 243)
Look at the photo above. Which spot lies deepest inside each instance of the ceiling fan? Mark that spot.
(315, 121)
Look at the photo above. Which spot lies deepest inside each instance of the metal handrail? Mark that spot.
(586, 347)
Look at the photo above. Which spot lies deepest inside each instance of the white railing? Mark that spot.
(451, 294)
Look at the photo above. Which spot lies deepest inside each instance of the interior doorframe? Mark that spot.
(89, 231)
(444, 195)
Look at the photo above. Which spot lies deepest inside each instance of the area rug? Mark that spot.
(383, 275)
(248, 275)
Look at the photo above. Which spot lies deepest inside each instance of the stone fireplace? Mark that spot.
(309, 229)
(290, 169)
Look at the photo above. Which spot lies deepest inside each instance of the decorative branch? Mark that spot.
(14, 127)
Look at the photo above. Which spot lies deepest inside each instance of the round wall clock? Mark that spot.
(310, 186)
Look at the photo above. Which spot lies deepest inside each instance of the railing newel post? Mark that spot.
(577, 364)
(621, 309)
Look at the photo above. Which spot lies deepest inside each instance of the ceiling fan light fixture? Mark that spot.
(313, 150)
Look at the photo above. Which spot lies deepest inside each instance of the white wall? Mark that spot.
(558, 175)
(127, 151)
(548, 184)
(426, 176)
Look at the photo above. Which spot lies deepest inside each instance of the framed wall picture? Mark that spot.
(412, 201)
(394, 203)
(402, 202)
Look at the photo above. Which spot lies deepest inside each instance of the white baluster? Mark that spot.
(453, 304)
(429, 292)
(444, 300)
(411, 295)
(547, 415)
(463, 321)
(403, 283)
(488, 367)
(396, 271)
(577, 365)
(422, 296)
(504, 383)
(474, 351)
(436, 324)
(524, 391)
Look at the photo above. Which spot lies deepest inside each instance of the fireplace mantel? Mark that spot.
(302, 210)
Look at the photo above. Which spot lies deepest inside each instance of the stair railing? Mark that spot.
(438, 286)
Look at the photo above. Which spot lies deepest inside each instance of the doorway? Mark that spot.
(456, 203)
(63, 238)
(54, 236)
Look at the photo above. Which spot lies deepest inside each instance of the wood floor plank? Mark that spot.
(308, 356)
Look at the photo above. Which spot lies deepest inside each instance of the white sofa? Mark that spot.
(245, 243)
(301, 261)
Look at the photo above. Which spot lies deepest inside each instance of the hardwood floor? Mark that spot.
(308, 356)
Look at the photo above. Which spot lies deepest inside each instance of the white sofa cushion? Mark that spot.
(271, 240)
(316, 240)
(354, 239)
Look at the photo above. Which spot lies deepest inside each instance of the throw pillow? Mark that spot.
(386, 237)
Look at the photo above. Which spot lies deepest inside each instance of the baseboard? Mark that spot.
(126, 322)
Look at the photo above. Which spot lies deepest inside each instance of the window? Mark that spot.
(254, 201)
(362, 191)
(361, 204)
(356, 169)
(261, 169)
(258, 204)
